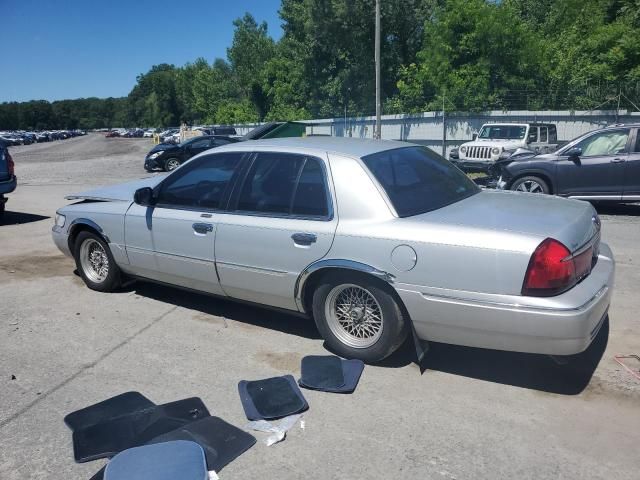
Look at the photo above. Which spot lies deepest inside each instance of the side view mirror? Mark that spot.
(144, 197)
(574, 153)
(474, 136)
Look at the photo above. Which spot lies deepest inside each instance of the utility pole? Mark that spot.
(377, 132)
(444, 129)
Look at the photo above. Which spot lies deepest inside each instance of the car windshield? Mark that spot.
(418, 180)
(503, 132)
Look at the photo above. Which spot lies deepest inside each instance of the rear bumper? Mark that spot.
(561, 325)
(8, 186)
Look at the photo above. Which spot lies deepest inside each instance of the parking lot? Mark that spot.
(471, 414)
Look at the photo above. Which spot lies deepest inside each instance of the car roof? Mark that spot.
(355, 147)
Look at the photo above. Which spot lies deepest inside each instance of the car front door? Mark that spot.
(632, 170)
(174, 240)
(281, 220)
(597, 167)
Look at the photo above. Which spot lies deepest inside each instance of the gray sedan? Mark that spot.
(364, 236)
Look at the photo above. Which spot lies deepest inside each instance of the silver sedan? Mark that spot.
(367, 237)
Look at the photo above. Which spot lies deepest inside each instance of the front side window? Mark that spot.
(418, 180)
(605, 143)
(200, 183)
(285, 184)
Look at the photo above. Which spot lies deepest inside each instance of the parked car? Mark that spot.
(148, 133)
(112, 134)
(364, 236)
(497, 140)
(168, 157)
(168, 133)
(602, 165)
(8, 180)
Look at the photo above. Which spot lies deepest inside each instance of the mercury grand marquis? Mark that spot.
(364, 236)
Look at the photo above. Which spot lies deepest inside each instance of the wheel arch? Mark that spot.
(534, 173)
(313, 274)
(84, 225)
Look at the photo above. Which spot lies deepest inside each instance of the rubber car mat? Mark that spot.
(222, 442)
(321, 372)
(163, 461)
(351, 370)
(109, 438)
(108, 409)
(271, 398)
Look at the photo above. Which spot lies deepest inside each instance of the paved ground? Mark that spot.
(472, 414)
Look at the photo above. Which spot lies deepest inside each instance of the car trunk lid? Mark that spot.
(574, 223)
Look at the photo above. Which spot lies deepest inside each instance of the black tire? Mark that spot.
(531, 184)
(394, 328)
(169, 162)
(111, 280)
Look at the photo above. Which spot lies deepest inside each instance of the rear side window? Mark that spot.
(418, 180)
(201, 183)
(285, 184)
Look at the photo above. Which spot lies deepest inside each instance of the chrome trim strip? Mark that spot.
(252, 268)
(437, 297)
(634, 198)
(596, 197)
(335, 263)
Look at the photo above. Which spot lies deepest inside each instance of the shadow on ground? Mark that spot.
(525, 370)
(16, 218)
(536, 372)
(621, 209)
(239, 312)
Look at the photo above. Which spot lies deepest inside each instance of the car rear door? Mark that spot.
(598, 171)
(632, 170)
(196, 146)
(281, 220)
(174, 240)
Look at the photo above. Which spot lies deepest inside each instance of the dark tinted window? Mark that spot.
(417, 180)
(637, 147)
(201, 143)
(270, 183)
(200, 183)
(220, 141)
(310, 198)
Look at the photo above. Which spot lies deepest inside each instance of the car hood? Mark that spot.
(122, 192)
(162, 147)
(572, 222)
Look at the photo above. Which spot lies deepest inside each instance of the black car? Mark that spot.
(603, 165)
(168, 157)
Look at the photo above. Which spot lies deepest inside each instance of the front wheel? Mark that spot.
(95, 263)
(171, 164)
(357, 317)
(531, 184)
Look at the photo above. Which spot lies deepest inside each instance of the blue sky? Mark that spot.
(62, 49)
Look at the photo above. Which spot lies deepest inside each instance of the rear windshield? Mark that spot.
(418, 180)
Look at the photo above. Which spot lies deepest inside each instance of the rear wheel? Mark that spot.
(171, 164)
(95, 263)
(531, 184)
(357, 317)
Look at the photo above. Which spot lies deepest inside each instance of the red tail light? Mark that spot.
(551, 270)
(10, 164)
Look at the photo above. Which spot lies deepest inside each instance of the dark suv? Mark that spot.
(168, 157)
(602, 165)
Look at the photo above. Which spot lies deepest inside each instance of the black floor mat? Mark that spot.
(322, 372)
(109, 438)
(123, 404)
(351, 371)
(222, 443)
(271, 398)
(178, 460)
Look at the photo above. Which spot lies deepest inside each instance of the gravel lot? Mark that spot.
(471, 414)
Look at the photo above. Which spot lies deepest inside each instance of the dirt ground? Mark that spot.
(472, 414)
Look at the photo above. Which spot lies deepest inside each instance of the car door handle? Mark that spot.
(202, 228)
(304, 238)
(618, 160)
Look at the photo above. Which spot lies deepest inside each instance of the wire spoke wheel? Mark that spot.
(530, 186)
(354, 315)
(94, 261)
